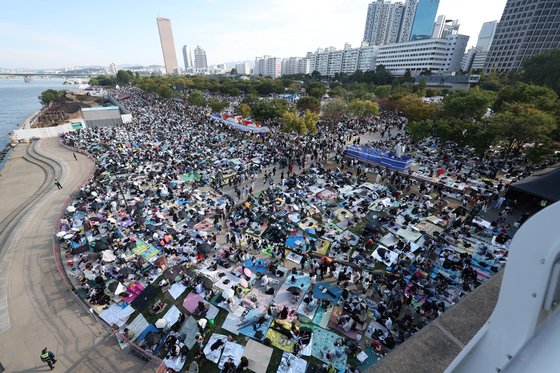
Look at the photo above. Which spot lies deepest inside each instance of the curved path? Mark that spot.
(36, 308)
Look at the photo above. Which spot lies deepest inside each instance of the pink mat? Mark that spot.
(191, 301)
(133, 290)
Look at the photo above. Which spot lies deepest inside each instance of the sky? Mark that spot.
(64, 33)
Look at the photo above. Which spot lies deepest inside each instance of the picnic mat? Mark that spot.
(232, 319)
(301, 281)
(137, 326)
(175, 363)
(370, 358)
(190, 330)
(233, 350)
(176, 290)
(263, 300)
(114, 314)
(258, 266)
(214, 354)
(322, 317)
(258, 355)
(323, 247)
(251, 331)
(291, 364)
(172, 315)
(285, 298)
(307, 315)
(279, 340)
(323, 342)
(191, 302)
(140, 303)
(333, 292)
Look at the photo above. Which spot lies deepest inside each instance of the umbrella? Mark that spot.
(71, 209)
(161, 323)
(228, 293)
(244, 283)
(294, 290)
(247, 272)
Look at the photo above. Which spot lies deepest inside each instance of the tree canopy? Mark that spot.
(543, 69)
(309, 103)
(334, 111)
(197, 99)
(363, 108)
(51, 95)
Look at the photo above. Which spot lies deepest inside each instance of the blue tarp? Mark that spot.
(371, 155)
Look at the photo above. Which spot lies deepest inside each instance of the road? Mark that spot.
(36, 308)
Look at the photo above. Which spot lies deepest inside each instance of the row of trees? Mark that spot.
(520, 114)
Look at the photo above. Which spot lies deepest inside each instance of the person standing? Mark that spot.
(48, 357)
(57, 183)
(74, 154)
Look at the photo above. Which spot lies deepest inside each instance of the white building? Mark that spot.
(388, 23)
(331, 61)
(440, 56)
(304, 66)
(243, 68)
(268, 66)
(187, 58)
(200, 62)
(113, 69)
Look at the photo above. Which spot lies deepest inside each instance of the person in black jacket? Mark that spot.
(48, 357)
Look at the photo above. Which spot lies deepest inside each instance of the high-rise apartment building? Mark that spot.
(167, 45)
(527, 28)
(423, 24)
(187, 58)
(388, 23)
(243, 68)
(200, 62)
(268, 66)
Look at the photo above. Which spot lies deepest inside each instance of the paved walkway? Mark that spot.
(36, 308)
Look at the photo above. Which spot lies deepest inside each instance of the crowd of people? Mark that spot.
(302, 248)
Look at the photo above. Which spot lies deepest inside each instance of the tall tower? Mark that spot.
(200, 62)
(167, 45)
(527, 28)
(424, 17)
(187, 57)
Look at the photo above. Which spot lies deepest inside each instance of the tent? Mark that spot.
(542, 184)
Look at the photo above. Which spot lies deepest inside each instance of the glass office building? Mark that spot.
(424, 19)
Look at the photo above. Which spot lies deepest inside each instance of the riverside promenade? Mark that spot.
(37, 309)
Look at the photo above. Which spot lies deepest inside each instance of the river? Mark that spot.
(18, 100)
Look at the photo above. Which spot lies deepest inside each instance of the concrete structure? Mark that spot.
(187, 58)
(268, 66)
(527, 28)
(452, 82)
(200, 62)
(424, 17)
(388, 23)
(444, 27)
(243, 68)
(440, 56)
(167, 45)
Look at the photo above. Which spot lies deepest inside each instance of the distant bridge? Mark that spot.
(27, 76)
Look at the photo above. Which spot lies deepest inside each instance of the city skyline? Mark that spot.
(127, 34)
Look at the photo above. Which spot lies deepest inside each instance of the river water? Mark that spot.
(19, 100)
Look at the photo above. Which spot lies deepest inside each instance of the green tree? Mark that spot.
(316, 89)
(520, 124)
(543, 69)
(540, 97)
(124, 77)
(165, 91)
(310, 120)
(309, 103)
(334, 111)
(414, 109)
(419, 130)
(244, 110)
(338, 91)
(233, 71)
(383, 91)
(217, 105)
(269, 109)
(363, 108)
(197, 99)
(51, 95)
(470, 104)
